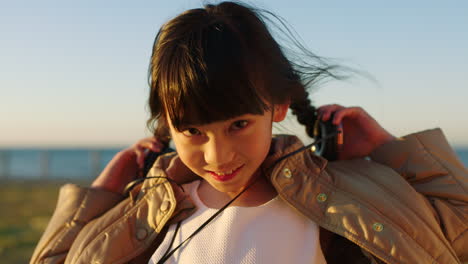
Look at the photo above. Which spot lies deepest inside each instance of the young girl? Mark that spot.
(218, 82)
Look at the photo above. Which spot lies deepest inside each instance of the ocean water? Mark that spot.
(54, 163)
(463, 155)
(73, 163)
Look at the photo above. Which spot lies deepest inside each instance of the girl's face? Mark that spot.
(228, 153)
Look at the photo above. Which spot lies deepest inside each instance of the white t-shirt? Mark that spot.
(270, 233)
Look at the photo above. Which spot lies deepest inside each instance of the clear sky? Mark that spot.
(74, 73)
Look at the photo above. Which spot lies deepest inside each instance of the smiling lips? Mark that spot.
(225, 176)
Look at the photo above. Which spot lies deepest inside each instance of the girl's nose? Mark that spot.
(218, 152)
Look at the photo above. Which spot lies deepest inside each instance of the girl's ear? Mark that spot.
(280, 111)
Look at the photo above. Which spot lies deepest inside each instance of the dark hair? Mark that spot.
(214, 63)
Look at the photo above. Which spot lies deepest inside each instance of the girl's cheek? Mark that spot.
(190, 154)
(255, 143)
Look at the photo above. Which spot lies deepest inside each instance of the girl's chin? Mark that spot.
(225, 187)
(229, 187)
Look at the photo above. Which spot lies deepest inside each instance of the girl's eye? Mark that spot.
(239, 124)
(190, 132)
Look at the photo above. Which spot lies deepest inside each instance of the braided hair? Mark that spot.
(305, 113)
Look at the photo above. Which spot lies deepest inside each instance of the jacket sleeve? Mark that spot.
(76, 206)
(430, 165)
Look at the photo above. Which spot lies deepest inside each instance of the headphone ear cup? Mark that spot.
(326, 147)
(151, 157)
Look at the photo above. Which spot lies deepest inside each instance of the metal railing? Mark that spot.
(42, 164)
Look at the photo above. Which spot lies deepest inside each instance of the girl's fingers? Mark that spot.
(339, 112)
(140, 156)
(141, 149)
(155, 147)
(150, 143)
(325, 111)
(346, 112)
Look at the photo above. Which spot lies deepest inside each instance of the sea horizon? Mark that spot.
(77, 163)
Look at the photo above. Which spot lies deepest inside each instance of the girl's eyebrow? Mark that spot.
(238, 118)
(185, 127)
(244, 116)
(233, 119)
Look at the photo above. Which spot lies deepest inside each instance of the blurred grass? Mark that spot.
(25, 209)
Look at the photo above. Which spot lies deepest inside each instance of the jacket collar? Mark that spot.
(298, 177)
(287, 151)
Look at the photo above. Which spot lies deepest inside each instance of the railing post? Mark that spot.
(44, 159)
(95, 163)
(4, 164)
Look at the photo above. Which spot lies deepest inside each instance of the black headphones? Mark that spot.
(329, 138)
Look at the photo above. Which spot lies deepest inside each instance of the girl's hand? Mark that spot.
(361, 133)
(126, 166)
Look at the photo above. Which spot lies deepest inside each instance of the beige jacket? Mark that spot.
(408, 204)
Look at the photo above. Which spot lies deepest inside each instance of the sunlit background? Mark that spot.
(74, 73)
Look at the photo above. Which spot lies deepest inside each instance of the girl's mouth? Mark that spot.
(225, 176)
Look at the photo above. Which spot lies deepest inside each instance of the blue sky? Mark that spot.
(75, 73)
